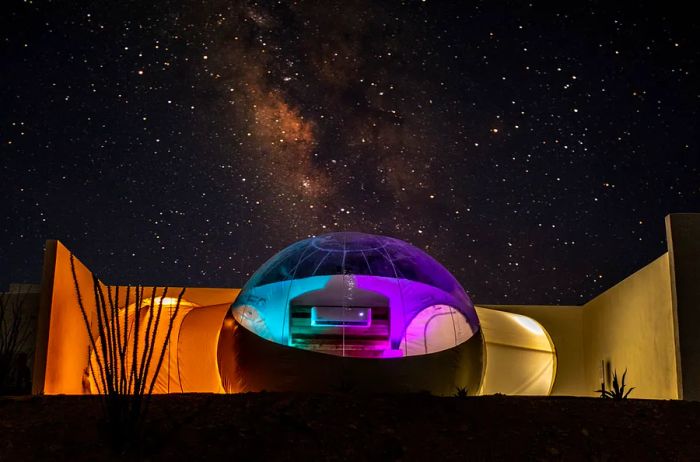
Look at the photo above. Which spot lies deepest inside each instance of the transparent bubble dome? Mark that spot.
(359, 295)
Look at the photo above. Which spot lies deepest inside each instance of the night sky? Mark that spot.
(533, 150)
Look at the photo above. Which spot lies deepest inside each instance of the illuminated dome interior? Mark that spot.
(359, 295)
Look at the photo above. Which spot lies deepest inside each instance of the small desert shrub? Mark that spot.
(15, 330)
(461, 392)
(619, 389)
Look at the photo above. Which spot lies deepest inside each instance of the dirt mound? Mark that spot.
(280, 426)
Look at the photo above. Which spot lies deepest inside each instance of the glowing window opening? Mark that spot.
(530, 324)
(338, 316)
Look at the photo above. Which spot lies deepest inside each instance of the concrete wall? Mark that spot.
(648, 324)
(631, 326)
(564, 326)
(683, 237)
(61, 356)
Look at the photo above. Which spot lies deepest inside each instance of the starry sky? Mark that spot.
(533, 150)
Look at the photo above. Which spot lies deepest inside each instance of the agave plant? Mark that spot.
(461, 392)
(619, 388)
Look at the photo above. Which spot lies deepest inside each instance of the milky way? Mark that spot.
(533, 151)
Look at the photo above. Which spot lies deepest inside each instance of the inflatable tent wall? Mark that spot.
(341, 311)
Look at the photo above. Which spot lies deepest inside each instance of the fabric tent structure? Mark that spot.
(337, 311)
(359, 295)
(520, 356)
(385, 307)
(188, 355)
